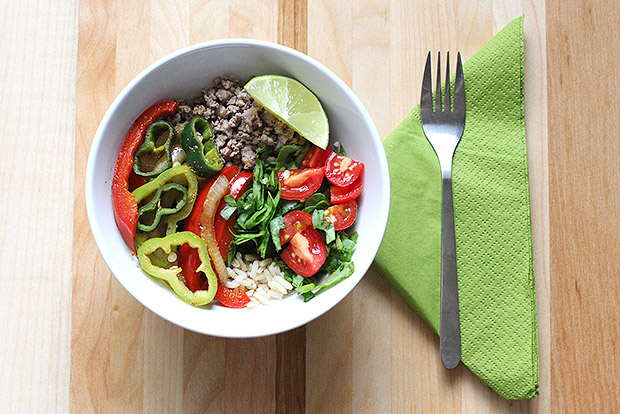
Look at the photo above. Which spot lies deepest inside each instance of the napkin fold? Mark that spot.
(492, 222)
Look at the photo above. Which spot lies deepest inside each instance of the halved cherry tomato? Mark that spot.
(342, 215)
(342, 171)
(300, 184)
(348, 193)
(316, 157)
(296, 222)
(306, 252)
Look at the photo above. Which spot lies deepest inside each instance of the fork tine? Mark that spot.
(459, 86)
(426, 101)
(438, 88)
(447, 105)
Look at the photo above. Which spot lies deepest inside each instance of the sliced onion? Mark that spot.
(207, 223)
(178, 154)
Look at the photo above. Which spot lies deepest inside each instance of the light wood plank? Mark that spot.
(291, 346)
(537, 148)
(91, 320)
(251, 375)
(37, 137)
(204, 387)
(329, 338)
(256, 19)
(372, 339)
(209, 19)
(290, 386)
(251, 363)
(204, 369)
(127, 335)
(35, 300)
(584, 204)
(168, 30)
(163, 366)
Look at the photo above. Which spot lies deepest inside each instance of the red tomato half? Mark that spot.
(342, 171)
(232, 298)
(296, 222)
(316, 157)
(306, 252)
(348, 193)
(342, 215)
(300, 184)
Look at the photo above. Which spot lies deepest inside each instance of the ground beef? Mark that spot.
(240, 125)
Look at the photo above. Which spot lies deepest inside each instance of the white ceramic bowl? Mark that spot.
(182, 75)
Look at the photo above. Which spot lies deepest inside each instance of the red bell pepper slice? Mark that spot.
(224, 228)
(188, 257)
(125, 206)
(231, 298)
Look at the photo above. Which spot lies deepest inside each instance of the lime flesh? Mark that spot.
(294, 104)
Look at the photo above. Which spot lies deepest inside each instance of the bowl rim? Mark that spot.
(98, 141)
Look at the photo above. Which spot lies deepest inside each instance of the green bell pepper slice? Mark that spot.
(202, 154)
(155, 151)
(149, 188)
(155, 206)
(171, 275)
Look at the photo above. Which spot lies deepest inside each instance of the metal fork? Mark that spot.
(443, 129)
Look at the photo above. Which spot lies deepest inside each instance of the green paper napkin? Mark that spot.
(492, 222)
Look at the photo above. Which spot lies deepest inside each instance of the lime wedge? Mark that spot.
(292, 103)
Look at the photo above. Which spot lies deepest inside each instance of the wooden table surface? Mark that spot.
(73, 340)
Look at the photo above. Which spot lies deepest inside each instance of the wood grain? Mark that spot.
(584, 212)
(82, 343)
(90, 346)
(36, 224)
(330, 338)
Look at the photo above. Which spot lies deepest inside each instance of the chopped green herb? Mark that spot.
(289, 205)
(339, 149)
(275, 225)
(283, 154)
(231, 207)
(344, 271)
(316, 201)
(319, 223)
(300, 155)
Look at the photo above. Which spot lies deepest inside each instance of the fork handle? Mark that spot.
(449, 323)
